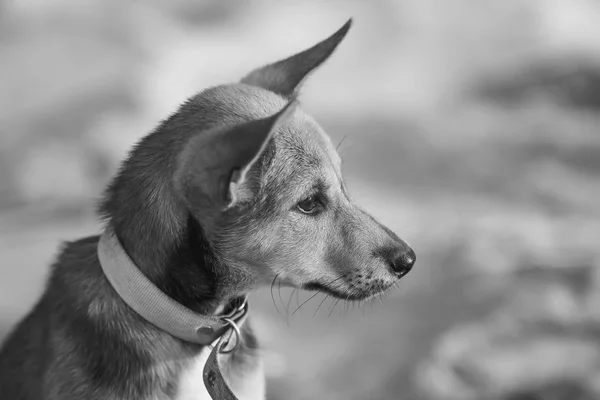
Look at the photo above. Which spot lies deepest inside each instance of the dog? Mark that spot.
(237, 188)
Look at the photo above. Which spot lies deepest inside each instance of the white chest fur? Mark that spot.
(247, 383)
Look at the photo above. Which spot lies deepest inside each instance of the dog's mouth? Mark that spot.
(350, 295)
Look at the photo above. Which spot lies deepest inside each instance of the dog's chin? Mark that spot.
(350, 296)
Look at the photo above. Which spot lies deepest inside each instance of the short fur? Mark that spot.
(209, 207)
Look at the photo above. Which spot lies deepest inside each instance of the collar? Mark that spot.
(155, 306)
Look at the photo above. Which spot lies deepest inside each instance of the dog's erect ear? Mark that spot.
(251, 146)
(214, 165)
(284, 77)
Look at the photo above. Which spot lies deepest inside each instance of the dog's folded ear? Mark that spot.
(213, 167)
(284, 77)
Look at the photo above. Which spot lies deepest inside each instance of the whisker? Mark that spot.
(287, 306)
(306, 301)
(335, 280)
(289, 302)
(333, 308)
(340, 143)
(320, 304)
(312, 297)
(279, 291)
(273, 296)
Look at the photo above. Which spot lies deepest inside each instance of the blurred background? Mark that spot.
(471, 128)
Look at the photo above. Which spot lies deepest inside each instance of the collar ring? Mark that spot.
(238, 336)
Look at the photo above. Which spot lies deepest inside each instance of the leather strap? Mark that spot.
(170, 316)
(213, 377)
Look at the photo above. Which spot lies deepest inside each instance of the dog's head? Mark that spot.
(265, 182)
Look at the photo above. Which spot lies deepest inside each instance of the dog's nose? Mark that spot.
(403, 262)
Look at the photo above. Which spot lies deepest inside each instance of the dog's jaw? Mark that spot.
(352, 292)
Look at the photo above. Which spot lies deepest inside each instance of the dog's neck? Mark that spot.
(156, 230)
(185, 272)
(155, 306)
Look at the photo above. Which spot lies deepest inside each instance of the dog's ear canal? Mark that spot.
(284, 77)
(254, 137)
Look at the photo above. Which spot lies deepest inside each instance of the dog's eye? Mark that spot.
(309, 205)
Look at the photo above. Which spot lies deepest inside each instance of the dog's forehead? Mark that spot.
(300, 137)
(305, 158)
(303, 139)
